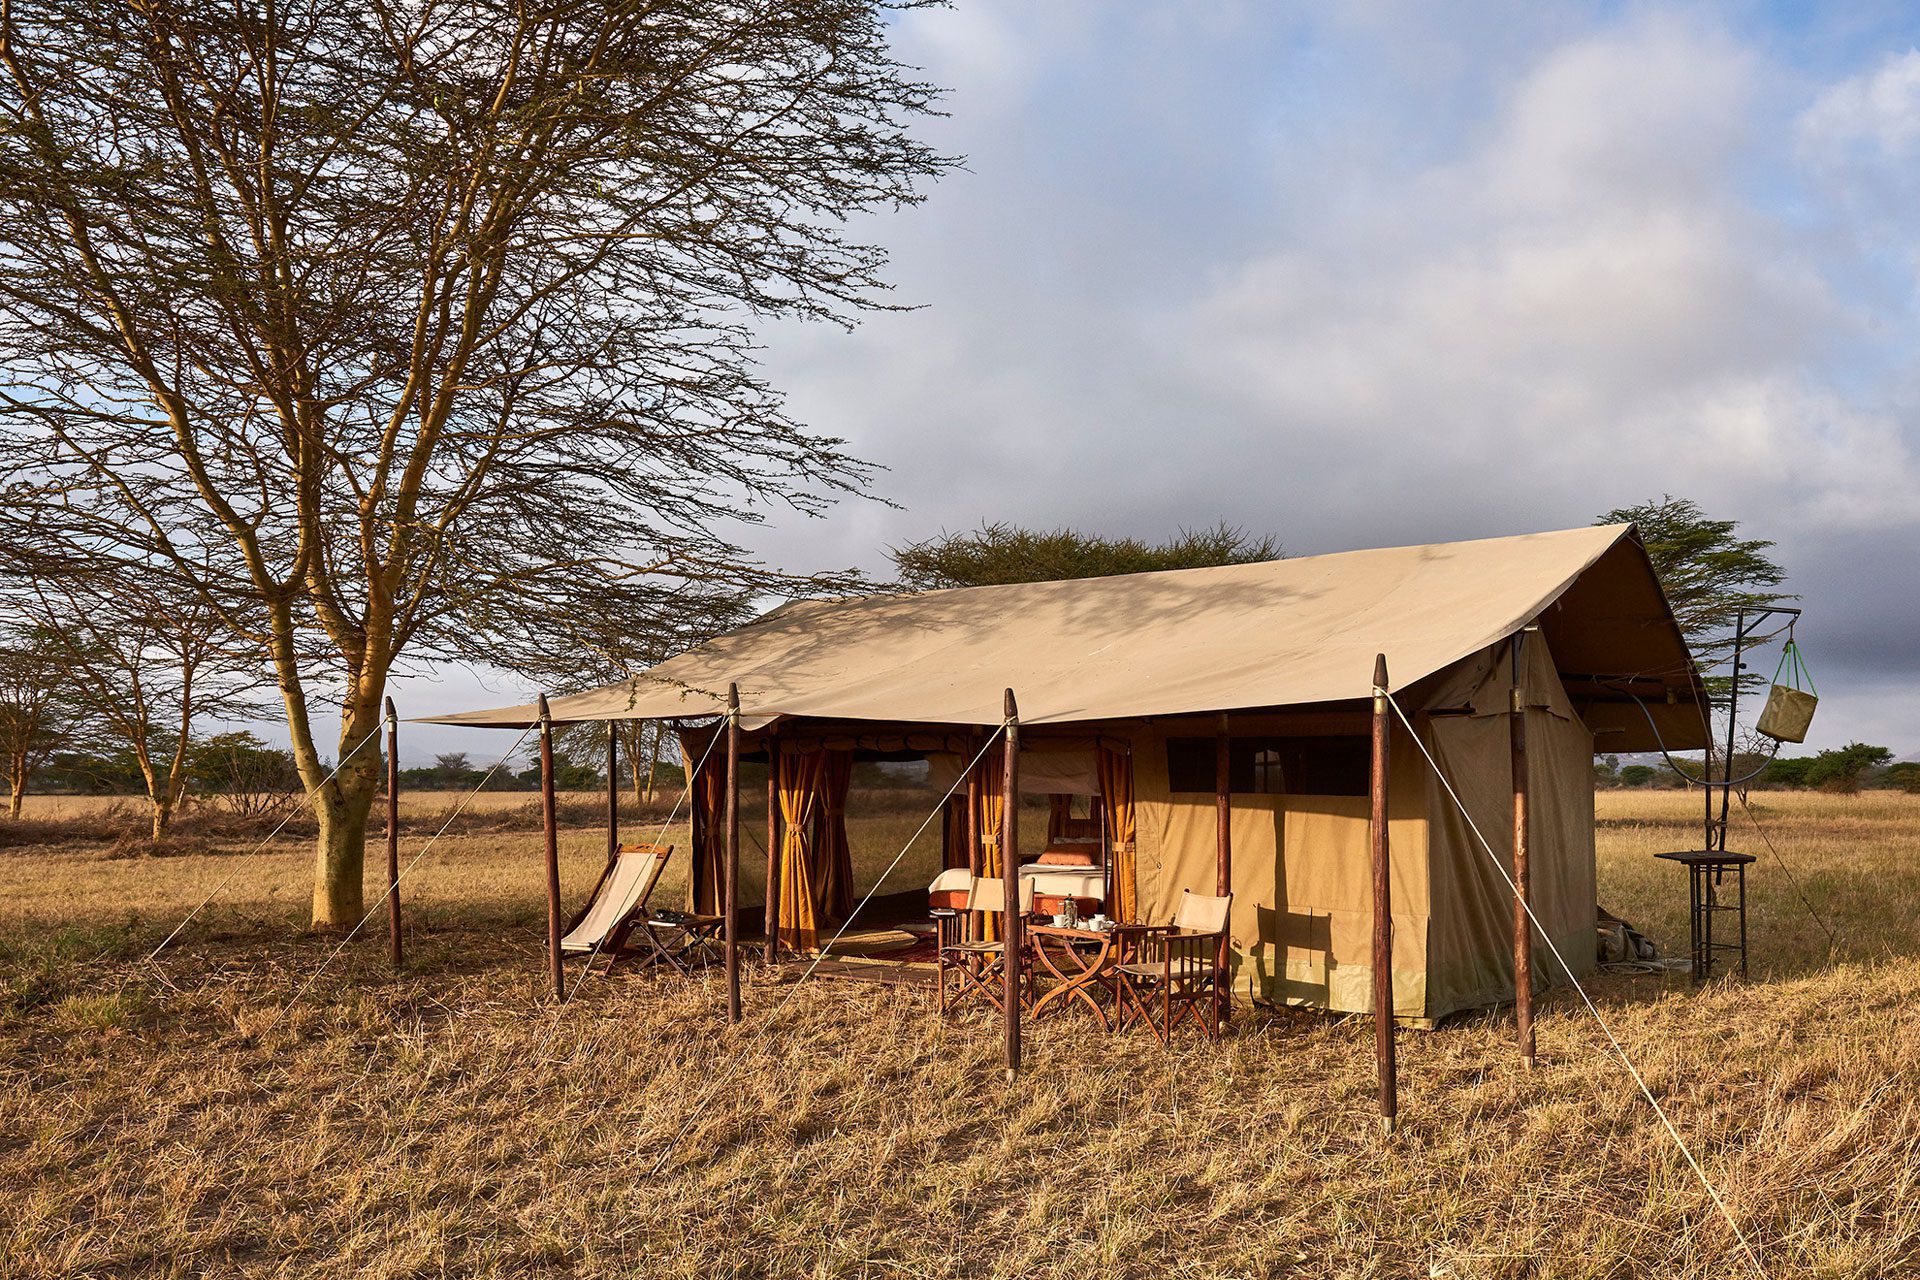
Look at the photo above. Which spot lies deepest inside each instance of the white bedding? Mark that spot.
(1066, 882)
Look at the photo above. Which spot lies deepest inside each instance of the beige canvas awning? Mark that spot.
(1277, 633)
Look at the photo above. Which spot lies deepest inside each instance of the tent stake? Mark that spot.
(1382, 904)
(393, 836)
(551, 821)
(732, 907)
(1223, 842)
(1013, 936)
(1522, 887)
(773, 849)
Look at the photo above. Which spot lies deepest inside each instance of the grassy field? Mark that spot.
(203, 1115)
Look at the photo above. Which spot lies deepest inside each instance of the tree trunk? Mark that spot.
(162, 819)
(653, 762)
(342, 805)
(18, 795)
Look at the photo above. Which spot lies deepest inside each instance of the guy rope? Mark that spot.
(1585, 999)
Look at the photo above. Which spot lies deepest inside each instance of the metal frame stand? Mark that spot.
(1707, 866)
(1707, 898)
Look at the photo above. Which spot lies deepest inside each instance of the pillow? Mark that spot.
(1069, 858)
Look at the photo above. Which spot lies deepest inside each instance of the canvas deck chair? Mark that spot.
(1172, 975)
(617, 922)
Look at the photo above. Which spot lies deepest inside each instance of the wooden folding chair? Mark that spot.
(979, 968)
(1171, 973)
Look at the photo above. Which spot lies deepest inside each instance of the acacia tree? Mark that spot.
(1709, 573)
(998, 553)
(37, 712)
(146, 665)
(403, 327)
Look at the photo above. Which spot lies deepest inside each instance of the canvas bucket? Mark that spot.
(1788, 714)
(1789, 710)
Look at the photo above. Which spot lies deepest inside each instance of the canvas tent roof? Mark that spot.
(1270, 634)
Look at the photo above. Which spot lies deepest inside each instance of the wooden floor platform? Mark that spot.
(856, 969)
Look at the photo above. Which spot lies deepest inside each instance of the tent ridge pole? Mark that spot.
(613, 792)
(1383, 1048)
(1223, 846)
(1522, 883)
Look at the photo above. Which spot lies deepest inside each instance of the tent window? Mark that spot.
(1269, 773)
(1301, 766)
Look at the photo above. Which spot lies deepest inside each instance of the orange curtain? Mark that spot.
(1116, 795)
(992, 805)
(954, 837)
(831, 852)
(707, 859)
(800, 775)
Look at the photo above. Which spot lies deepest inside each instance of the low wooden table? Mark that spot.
(1079, 962)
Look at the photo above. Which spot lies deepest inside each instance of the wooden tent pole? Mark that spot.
(393, 835)
(732, 907)
(773, 849)
(1013, 935)
(551, 819)
(1222, 826)
(1382, 903)
(613, 793)
(1522, 878)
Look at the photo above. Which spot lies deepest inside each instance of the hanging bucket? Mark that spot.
(1789, 710)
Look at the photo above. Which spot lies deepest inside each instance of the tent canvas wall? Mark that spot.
(1302, 918)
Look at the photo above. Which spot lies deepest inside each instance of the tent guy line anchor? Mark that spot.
(1585, 999)
(767, 1025)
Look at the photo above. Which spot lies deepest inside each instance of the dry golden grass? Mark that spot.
(193, 1118)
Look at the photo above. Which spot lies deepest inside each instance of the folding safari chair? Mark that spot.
(1171, 973)
(619, 906)
(980, 967)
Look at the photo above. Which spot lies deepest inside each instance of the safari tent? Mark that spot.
(1210, 728)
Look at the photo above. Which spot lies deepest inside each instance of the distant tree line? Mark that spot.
(1841, 770)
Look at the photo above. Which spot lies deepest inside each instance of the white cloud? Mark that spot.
(1398, 273)
(1586, 290)
(1877, 109)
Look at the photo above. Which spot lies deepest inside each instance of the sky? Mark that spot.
(1383, 273)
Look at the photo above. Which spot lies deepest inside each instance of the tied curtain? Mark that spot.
(1116, 795)
(707, 798)
(833, 855)
(990, 806)
(800, 776)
